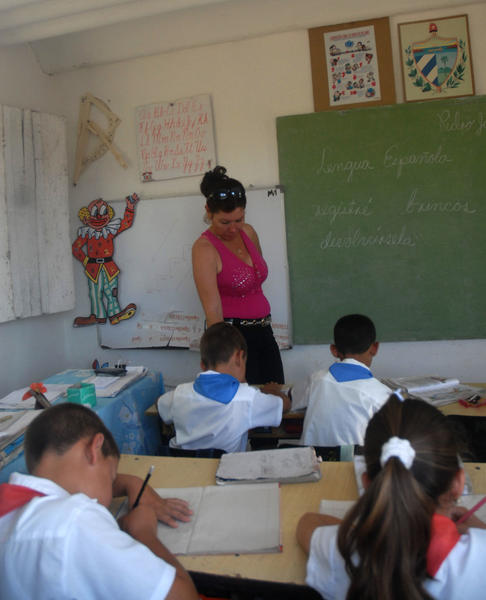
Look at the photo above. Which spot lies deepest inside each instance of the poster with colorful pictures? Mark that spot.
(352, 66)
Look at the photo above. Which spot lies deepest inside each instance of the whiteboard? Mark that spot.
(154, 258)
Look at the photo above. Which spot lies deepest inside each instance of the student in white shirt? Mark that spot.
(218, 408)
(341, 401)
(401, 540)
(57, 536)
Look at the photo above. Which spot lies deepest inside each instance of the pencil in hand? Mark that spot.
(470, 512)
(144, 485)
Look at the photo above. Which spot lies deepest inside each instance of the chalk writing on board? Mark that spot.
(343, 209)
(175, 139)
(446, 206)
(357, 239)
(348, 166)
(449, 121)
(393, 159)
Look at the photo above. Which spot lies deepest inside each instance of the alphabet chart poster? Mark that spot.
(175, 139)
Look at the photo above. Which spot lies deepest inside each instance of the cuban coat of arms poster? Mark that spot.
(436, 59)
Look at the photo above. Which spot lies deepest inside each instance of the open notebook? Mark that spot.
(239, 519)
(286, 465)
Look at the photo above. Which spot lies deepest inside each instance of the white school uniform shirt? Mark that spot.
(460, 577)
(204, 423)
(338, 412)
(69, 547)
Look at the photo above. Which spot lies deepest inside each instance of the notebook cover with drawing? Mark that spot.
(285, 465)
(226, 520)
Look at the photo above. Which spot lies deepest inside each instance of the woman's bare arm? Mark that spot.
(205, 271)
(252, 234)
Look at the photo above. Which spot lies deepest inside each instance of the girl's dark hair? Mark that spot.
(385, 536)
(222, 193)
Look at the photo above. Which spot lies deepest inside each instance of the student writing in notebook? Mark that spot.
(218, 408)
(57, 536)
(402, 539)
(341, 401)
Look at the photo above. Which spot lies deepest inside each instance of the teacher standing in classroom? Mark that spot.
(229, 270)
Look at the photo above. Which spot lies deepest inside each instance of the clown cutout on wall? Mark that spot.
(97, 233)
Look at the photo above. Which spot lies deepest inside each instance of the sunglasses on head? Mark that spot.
(236, 193)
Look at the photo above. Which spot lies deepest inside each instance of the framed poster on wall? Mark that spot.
(435, 55)
(175, 139)
(352, 64)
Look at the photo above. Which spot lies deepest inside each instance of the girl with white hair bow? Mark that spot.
(402, 539)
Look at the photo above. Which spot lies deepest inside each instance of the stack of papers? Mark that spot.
(15, 416)
(12, 428)
(285, 465)
(108, 386)
(13, 401)
(240, 520)
(438, 391)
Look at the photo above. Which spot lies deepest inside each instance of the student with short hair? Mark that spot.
(218, 408)
(57, 536)
(341, 401)
(401, 540)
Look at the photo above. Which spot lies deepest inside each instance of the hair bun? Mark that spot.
(219, 171)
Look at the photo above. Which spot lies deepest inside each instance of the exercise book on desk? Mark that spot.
(286, 465)
(232, 520)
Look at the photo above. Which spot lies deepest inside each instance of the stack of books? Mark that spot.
(438, 391)
(12, 428)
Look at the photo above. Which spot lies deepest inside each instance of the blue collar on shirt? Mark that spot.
(217, 386)
(342, 371)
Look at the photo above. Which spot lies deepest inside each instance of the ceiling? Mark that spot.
(33, 20)
(71, 34)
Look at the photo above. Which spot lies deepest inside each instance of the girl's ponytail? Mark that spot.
(385, 537)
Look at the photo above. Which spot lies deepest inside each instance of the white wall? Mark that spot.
(29, 348)
(251, 83)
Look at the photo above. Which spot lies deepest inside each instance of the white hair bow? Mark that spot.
(400, 448)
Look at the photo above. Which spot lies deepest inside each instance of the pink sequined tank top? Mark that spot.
(239, 285)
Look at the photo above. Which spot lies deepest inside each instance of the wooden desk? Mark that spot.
(456, 409)
(337, 483)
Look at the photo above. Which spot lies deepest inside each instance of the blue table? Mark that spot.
(124, 415)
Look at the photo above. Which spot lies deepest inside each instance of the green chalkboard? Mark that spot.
(385, 213)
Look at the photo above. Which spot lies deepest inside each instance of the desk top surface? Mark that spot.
(337, 483)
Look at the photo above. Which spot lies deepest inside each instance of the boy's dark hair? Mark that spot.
(218, 344)
(59, 427)
(222, 193)
(354, 334)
